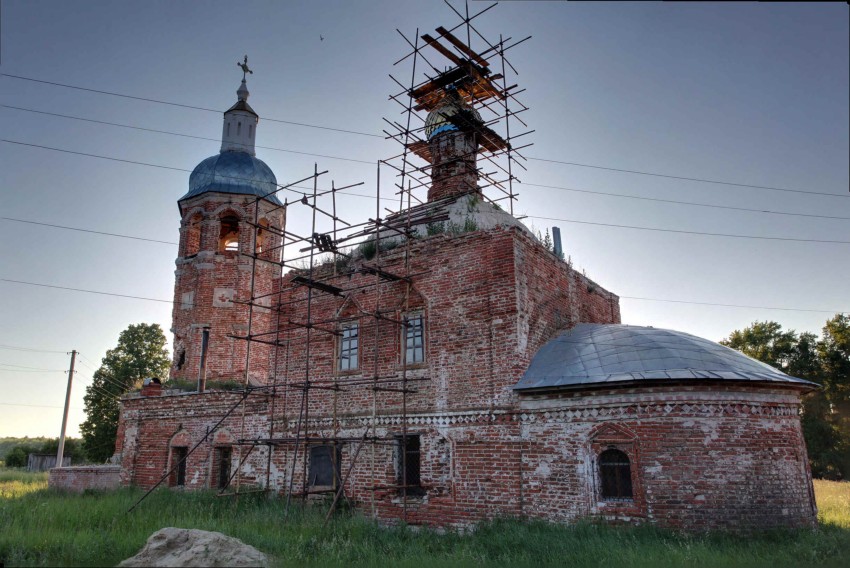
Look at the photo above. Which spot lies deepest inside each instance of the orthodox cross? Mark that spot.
(244, 66)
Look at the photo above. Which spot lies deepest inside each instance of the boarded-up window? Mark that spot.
(409, 464)
(223, 456)
(615, 475)
(178, 464)
(324, 466)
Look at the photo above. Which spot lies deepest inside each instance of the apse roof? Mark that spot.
(592, 354)
(233, 172)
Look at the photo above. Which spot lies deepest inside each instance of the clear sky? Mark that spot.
(748, 93)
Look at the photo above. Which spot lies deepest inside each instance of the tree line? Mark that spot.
(824, 360)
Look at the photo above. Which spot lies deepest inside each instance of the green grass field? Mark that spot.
(39, 527)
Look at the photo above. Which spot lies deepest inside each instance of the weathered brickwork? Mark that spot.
(211, 280)
(80, 478)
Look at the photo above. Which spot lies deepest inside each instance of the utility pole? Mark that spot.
(60, 453)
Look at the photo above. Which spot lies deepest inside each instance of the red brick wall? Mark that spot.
(214, 277)
(80, 478)
(454, 172)
(702, 456)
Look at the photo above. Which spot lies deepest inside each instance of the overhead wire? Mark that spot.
(194, 107)
(533, 216)
(563, 162)
(623, 297)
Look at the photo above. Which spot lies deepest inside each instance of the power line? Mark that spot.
(623, 297)
(183, 135)
(691, 232)
(217, 111)
(33, 368)
(689, 178)
(280, 188)
(36, 405)
(691, 203)
(87, 291)
(86, 230)
(607, 168)
(370, 163)
(730, 305)
(16, 348)
(532, 216)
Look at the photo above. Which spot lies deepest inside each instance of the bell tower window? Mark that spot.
(229, 236)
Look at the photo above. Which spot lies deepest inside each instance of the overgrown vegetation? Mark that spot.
(42, 527)
(140, 354)
(826, 361)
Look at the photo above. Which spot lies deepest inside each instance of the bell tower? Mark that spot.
(231, 219)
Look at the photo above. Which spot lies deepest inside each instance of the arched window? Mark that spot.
(228, 129)
(615, 475)
(229, 236)
(250, 131)
(238, 129)
(262, 236)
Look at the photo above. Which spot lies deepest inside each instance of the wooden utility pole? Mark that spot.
(61, 451)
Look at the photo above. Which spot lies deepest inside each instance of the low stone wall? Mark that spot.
(80, 478)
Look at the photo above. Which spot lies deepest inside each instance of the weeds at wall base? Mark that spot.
(41, 527)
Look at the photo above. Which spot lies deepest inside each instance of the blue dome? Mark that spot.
(233, 172)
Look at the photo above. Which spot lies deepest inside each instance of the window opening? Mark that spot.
(348, 344)
(408, 466)
(229, 235)
(324, 466)
(228, 129)
(238, 129)
(414, 339)
(178, 458)
(615, 474)
(250, 131)
(223, 457)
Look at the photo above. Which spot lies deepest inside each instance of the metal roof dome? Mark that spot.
(592, 354)
(437, 121)
(233, 172)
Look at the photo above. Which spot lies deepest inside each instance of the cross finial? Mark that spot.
(244, 66)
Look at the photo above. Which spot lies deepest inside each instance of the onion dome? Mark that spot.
(233, 172)
(236, 169)
(592, 355)
(452, 105)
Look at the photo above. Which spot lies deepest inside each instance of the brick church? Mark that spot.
(450, 368)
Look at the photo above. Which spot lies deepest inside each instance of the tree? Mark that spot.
(825, 412)
(140, 354)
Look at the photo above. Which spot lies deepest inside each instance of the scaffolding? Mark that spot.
(334, 249)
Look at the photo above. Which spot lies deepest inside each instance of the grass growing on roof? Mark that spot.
(39, 526)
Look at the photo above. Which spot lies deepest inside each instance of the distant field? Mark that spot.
(39, 527)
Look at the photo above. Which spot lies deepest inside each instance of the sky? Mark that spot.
(754, 94)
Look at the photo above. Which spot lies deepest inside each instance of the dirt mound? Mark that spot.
(191, 547)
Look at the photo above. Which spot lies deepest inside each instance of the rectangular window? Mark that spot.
(414, 339)
(223, 457)
(324, 466)
(348, 344)
(408, 466)
(178, 460)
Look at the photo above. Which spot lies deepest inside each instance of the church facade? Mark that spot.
(501, 383)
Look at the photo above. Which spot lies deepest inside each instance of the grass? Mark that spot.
(40, 527)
